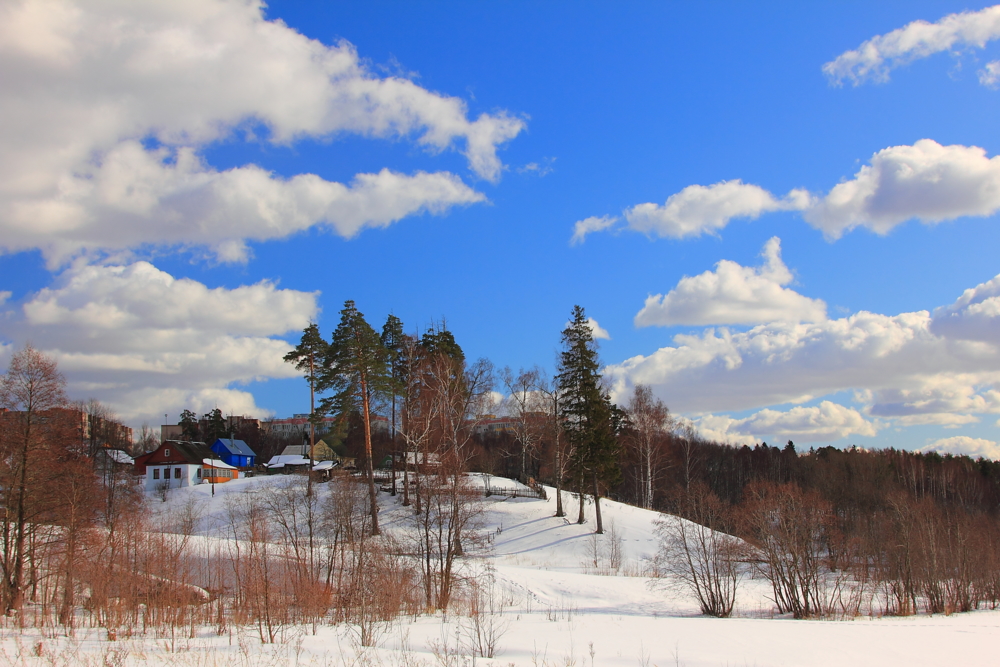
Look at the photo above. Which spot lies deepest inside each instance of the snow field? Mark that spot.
(554, 608)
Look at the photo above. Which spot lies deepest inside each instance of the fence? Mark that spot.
(384, 478)
(518, 492)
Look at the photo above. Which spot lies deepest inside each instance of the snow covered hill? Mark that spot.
(555, 607)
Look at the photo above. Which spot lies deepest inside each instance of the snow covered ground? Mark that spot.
(559, 609)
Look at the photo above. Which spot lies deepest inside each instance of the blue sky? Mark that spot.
(804, 192)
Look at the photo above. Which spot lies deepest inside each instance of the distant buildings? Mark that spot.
(298, 425)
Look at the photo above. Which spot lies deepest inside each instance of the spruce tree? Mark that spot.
(587, 414)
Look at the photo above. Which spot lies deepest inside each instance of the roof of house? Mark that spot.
(192, 452)
(236, 447)
(217, 463)
(282, 460)
(118, 456)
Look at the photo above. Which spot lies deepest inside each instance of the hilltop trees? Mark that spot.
(588, 416)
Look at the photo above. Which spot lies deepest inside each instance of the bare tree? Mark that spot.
(31, 390)
(562, 447)
(698, 551)
(790, 528)
(650, 425)
(525, 408)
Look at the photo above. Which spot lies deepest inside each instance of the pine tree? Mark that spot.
(588, 416)
(215, 426)
(356, 369)
(393, 340)
(307, 356)
(189, 425)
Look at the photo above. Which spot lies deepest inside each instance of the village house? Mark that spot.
(179, 463)
(235, 452)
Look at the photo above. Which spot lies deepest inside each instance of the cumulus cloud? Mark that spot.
(963, 444)
(591, 225)
(700, 209)
(899, 367)
(821, 423)
(974, 316)
(597, 330)
(107, 105)
(147, 343)
(875, 58)
(137, 196)
(926, 181)
(989, 76)
(734, 294)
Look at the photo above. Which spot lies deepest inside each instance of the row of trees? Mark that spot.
(436, 400)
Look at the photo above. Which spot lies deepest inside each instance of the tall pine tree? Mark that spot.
(587, 414)
(393, 340)
(307, 357)
(356, 369)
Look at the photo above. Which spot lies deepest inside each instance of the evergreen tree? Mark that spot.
(307, 356)
(393, 340)
(589, 418)
(189, 426)
(356, 369)
(215, 426)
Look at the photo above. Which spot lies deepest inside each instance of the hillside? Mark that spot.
(555, 608)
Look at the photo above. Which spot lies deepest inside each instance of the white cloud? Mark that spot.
(136, 196)
(106, 106)
(540, 169)
(873, 60)
(4, 296)
(974, 316)
(821, 423)
(989, 76)
(963, 444)
(597, 330)
(590, 225)
(734, 294)
(699, 209)
(147, 343)
(899, 367)
(927, 181)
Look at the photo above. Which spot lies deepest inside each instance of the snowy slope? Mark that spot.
(563, 611)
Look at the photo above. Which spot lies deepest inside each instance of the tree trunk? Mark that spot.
(582, 497)
(559, 505)
(597, 506)
(392, 431)
(372, 501)
(312, 426)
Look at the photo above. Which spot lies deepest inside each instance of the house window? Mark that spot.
(177, 473)
(156, 473)
(166, 452)
(199, 473)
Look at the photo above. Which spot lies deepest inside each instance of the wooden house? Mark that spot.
(179, 463)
